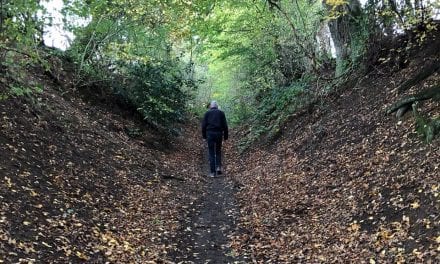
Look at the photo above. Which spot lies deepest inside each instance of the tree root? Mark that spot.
(404, 105)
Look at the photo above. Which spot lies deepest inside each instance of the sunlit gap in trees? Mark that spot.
(55, 33)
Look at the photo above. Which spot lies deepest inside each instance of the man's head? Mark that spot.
(213, 104)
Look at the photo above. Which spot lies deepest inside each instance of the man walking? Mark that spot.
(214, 128)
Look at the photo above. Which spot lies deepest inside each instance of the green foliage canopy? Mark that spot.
(248, 53)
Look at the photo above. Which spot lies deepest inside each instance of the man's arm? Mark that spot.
(225, 127)
(204, 123)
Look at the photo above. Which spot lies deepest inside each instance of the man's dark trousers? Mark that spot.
(215, 149)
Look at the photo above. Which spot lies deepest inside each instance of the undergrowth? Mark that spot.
(158, 90)
(275, 109)
(426, 128)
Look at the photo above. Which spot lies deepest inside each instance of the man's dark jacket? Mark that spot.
(214, 121)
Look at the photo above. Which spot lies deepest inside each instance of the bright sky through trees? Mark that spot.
(55, 35)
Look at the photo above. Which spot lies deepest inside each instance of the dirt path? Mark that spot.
(203, 237)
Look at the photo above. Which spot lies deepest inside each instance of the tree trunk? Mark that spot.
(324, 41)
(342, 28)
(5, 14)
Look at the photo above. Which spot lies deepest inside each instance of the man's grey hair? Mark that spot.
(213, 104)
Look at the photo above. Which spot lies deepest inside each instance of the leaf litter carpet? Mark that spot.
(344, 184)
(76, 187)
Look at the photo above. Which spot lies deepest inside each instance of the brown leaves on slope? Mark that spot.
(74, 187)
(345, 185)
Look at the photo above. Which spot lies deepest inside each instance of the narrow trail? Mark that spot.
(203, 237)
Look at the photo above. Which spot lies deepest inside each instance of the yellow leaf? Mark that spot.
(45, 244)
(8, 182)
(385, 235)
(26, 223)
(415, 205)
(335, 3)
(12, 241)
(354, 227)
(81, 255)
(417, 253)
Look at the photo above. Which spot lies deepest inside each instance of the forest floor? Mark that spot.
(205, 233)
(84, 180)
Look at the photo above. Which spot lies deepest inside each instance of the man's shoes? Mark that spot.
(219, 170)
(211, 175)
